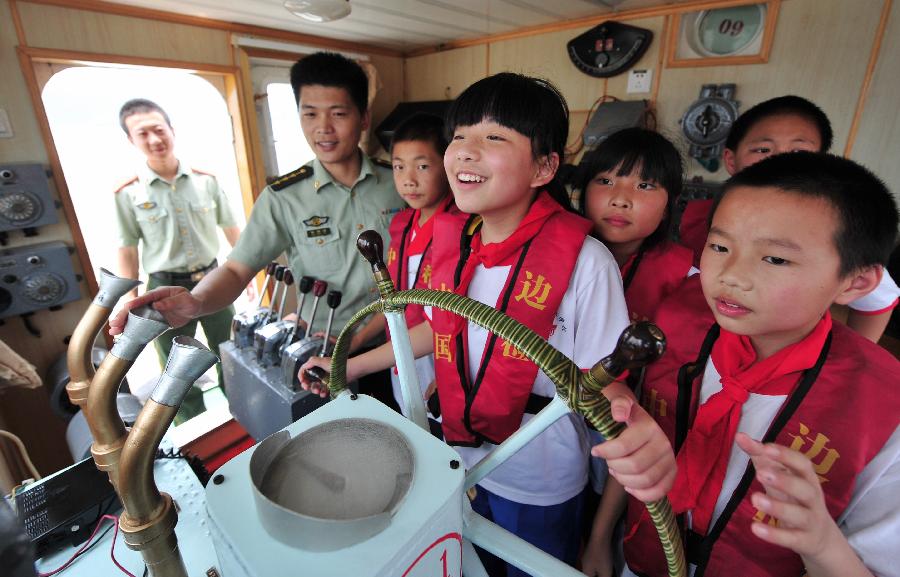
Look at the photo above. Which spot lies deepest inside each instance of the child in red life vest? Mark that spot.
(791, 235)
(531, 258)
(629, 185)
(776, 126)
(417, 157)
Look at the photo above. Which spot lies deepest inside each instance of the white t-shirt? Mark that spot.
(880, 300)
(424, 365)
(553, 467)
(871, 521)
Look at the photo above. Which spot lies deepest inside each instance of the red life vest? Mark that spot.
(694, 227)
(491, 408)
(820, 418)
(398, 257)
(650, 276)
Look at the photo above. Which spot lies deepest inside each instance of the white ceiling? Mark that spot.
(403, 25)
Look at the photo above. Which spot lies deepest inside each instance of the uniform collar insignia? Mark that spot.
(314, 221)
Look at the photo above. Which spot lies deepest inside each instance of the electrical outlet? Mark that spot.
(639, 80)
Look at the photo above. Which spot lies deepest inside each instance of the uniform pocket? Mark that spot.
(204, 217)
(321, 251)
(153, 222)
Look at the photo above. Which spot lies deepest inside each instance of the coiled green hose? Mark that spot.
(581, 391)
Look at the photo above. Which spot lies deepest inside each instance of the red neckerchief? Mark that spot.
(503, 253)
(703, 459)
(421, 234)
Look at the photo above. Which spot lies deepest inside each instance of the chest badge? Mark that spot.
(315, 221)
(147, 205)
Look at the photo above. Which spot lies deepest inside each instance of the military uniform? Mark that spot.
(315, 220)
(177, 222)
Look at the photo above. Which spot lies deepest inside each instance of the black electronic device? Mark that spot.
(609, 48)
(385, 130)
(63, 509)
(36, 277)
(25, 198)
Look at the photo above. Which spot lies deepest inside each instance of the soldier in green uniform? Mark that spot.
(174, 211)
(312, 214)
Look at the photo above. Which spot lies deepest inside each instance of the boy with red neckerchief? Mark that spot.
(417, 158)
(777, 126)
(789, 236)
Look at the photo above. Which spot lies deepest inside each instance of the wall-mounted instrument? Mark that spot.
(609, 48)
(707, 122)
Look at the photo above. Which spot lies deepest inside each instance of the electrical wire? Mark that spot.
(21, 446)
(88, 544)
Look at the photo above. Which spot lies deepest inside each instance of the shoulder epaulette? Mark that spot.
(198, 171)
(131, 180)
(292, 177)
(381, 162)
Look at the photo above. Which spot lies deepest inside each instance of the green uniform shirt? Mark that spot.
(315, 222)
(177, 221)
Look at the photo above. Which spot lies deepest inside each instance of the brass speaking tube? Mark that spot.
(148, 523)
(107, 429)
(78, 355)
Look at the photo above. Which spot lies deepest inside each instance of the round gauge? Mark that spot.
(726, 31)
(20, 207)
(708, 121)
(43, 287)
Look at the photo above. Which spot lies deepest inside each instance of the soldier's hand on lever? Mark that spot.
(176, 304)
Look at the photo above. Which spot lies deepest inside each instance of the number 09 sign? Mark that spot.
(723, 36)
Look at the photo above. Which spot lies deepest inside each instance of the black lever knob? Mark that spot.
(279, 272)
(319, 288)
(271, 268)
(371, 246)
(306, 284)
(288, 278)
(316, 375)
(334, 299)
(640, 344)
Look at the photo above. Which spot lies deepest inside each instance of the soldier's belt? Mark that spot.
(194, 276)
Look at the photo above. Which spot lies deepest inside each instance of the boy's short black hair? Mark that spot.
(866, 210)
(422, 127)
(655, 156)
(140, 106)
(331, 69)
(780, 106)
(530, 106)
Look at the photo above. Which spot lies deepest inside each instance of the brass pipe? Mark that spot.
(78, 355)
(107, 429)
(148, 523)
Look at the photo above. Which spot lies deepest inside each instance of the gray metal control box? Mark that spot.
(25, 198)
(257, 396)
(36, 277)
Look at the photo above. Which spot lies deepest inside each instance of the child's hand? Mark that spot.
(315, 387)
(641, 458)
(596, 561)
(793, 496)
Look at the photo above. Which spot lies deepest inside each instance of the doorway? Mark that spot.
(82, 102)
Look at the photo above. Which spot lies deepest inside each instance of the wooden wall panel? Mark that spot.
(26, 143)
(444, 75)
(27, 412)
(545, 56)
(68, 29)
(819, 52)
(877, 143)
(390, 73)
